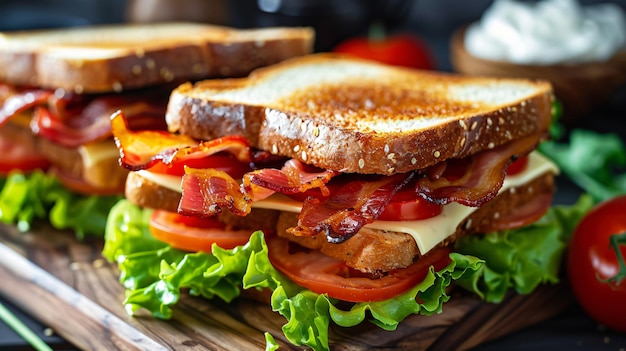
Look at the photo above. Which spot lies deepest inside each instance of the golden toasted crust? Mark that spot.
(357, 116)
(129, 56)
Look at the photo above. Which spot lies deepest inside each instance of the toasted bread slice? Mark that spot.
(370, 250)
(118, 57)
(358, 116)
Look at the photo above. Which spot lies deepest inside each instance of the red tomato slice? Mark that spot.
(323, 274)
(193, 233)
(517, 166)
(221, 162)
(19, 157)
(406, 206)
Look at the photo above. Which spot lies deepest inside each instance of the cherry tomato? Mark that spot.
(222, 162)
(398, 50)
(193, 233)
(593, 260)
(18, 157)
(324, 274)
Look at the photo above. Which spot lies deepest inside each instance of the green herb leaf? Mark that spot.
(154, 274)
(25, 198)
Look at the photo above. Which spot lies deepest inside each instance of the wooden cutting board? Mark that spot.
(68, 286)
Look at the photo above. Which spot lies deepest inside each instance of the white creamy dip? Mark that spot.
(547, 32)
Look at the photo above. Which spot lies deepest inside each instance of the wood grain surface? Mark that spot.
(67, 285)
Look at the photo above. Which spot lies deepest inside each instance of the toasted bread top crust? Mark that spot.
(127, 56)
(358, 116)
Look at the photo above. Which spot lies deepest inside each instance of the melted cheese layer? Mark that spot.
(427, 232)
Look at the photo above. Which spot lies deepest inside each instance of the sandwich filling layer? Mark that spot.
(427, 233)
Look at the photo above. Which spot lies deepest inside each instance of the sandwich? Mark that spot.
(343, 188)
(59, 87)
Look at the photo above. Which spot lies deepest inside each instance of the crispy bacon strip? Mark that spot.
(204, 192)
(207, 191)
(346, 211)
(294, 177)
(14, 103)
(82, 123)
(475, 180)
(72, 120)
(142, 149)
(49, 126)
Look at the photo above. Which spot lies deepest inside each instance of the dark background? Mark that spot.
(431, 20)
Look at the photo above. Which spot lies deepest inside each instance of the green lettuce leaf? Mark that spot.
(25, 198)
(155, 274)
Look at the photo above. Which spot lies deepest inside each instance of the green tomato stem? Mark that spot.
(618, 240)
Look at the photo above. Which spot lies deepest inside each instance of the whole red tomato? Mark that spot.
(399, 50)
(596, 263)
